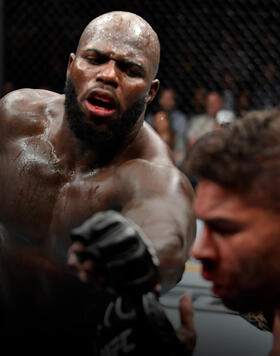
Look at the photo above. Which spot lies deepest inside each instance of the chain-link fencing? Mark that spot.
(227, 45)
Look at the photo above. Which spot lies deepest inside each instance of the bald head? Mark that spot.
(125, 29)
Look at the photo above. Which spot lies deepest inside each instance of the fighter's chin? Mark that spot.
(98, 128)
(231, 298)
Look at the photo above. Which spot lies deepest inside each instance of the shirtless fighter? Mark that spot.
(67, 157)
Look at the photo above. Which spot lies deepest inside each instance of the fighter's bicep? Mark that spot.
(159, 197)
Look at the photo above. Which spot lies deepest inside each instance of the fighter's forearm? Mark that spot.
(171, 230)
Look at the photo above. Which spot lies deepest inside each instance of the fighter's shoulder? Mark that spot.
(152, 146)
(155, 175)
(151, 167)
(23, 107)
(21, 100)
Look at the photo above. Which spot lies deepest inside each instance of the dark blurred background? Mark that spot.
(210, 44)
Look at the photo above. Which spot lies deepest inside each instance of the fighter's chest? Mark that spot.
(83, 195)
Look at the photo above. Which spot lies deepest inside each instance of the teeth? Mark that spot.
(101, 102)
(102, 99)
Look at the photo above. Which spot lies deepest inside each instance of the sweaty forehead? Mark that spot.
(121, 29)
(127, 31)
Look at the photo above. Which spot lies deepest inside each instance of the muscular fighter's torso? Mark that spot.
(47, 188)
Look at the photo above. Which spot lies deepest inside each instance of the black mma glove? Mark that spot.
(123, 256)
(130, 320)
(137, 328)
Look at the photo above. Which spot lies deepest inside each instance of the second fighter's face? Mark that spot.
(239, 248)
(111, 74)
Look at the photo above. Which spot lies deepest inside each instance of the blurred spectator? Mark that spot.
(168, 102)
(163, 128)
(267, 94)
(243, 103)
(175, 141)
(229, 91)
(224, 117)
(198, 101)
(213, 117)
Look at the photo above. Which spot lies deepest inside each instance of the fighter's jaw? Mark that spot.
(223, 290)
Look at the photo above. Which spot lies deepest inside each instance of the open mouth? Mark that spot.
(102, 103)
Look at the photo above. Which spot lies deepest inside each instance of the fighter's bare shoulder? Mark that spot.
(154, 168)
(154, 177)
(23, 111)
(152, 147)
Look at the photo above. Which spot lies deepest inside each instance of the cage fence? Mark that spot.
(216, 45)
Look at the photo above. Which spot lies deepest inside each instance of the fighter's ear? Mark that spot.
(153, 90)
(70, 61)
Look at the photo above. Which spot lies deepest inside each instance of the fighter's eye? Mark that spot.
(131, 70)
(225, 228)
(226, 231)
(96, 60)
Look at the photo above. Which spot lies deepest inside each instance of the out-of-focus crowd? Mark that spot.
(211, 110)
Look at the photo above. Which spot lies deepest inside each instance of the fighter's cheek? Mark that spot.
(128, 100)
(82, 77)
(136, 88)
(82, 66)
(230, 269)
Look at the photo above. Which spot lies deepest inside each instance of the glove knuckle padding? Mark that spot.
(120, 251)
(94, 227)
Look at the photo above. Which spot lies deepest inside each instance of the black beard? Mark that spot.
(105, 143)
